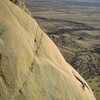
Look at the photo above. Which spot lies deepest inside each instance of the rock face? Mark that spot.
(31, 66)
(21, 4)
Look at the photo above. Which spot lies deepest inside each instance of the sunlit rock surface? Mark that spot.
(31, 66)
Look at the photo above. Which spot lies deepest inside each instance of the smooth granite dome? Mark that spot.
(31, 66)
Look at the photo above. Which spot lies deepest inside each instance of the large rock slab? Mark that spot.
(31, 66)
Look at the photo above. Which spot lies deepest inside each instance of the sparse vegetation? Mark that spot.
(95, 84)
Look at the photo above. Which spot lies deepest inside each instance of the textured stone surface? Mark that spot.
(21, 4)
(31, 66)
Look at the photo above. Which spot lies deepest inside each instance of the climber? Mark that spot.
(83, 85)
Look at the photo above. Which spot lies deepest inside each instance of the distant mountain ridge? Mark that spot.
(96, 1)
